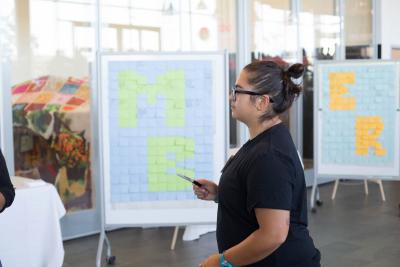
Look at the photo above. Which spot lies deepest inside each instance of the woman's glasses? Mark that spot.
(235, 91)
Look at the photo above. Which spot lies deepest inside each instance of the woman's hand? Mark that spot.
(208, 190)
(212, 261)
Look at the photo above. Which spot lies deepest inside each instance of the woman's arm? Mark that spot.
(7, 192)
(274, 227)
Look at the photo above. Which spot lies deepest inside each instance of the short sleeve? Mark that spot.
(269, 183)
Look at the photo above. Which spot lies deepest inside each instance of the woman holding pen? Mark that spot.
(262, 201)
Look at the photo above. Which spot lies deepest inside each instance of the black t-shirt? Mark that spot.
(266, 173)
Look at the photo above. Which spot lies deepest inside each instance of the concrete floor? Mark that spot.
(351, 231)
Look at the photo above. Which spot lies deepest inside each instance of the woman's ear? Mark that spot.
(261, 103)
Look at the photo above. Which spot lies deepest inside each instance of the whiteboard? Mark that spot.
(161, 114)
(356, 119)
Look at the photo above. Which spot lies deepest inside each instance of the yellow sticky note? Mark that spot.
(368, 130)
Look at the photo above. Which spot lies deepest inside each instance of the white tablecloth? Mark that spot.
(193, 232)
(30, 233)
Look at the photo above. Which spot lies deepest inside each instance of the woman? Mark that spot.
(7, 192)
(262, 202)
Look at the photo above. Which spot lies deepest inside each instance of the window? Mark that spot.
(273, 31)
(319, 39)
(358, 29)
(51, 44)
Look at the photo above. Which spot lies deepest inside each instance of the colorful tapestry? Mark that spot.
(51, 123)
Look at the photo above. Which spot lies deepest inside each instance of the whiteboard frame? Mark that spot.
(352, 171)
(206, 211)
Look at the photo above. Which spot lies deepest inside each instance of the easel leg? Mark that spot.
(100, 249)
(175, 236)
(318, 200)
(312, 198)
(110, 259)
(335, 187)
(379, 181)
(108, 249)
(366, 186)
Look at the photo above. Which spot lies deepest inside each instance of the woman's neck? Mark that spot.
(258, 128)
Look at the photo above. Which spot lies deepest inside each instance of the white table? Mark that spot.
(30, 233)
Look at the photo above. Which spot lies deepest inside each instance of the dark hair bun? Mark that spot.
(292, 89)
(295, 71)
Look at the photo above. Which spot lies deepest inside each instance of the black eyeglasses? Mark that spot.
(235, 90)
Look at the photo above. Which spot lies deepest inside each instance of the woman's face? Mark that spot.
(242, 108)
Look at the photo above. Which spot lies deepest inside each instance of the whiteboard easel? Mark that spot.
(167, 212)
(375, 88)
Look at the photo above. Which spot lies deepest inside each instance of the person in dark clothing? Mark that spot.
(7, 192)
(262, 201)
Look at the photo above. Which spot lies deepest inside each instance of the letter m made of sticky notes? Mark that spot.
(368, 129)
(338, 90)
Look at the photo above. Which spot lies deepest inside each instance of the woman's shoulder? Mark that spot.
(268, 151)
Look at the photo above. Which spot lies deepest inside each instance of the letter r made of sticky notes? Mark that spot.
(368, 130)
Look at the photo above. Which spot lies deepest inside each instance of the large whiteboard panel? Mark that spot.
(357, 119)
(161, 114)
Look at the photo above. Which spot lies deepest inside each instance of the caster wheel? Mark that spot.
(314, 210)
(110, 260)
(319, 203)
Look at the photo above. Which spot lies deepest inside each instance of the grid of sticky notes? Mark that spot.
(358, 114)
(160, 124)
